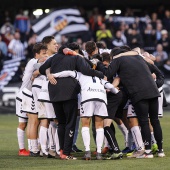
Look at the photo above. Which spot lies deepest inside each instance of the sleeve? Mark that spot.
(45, 66)
(159, 75)
(72, 74)
(29, 69)
(109, 86)
(83, 67)
(111, 70)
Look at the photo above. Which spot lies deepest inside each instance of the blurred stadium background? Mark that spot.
(136, 23)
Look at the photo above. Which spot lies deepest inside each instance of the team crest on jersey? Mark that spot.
(59, 22)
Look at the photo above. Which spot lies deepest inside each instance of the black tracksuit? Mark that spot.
(64, 94)
(136, 78)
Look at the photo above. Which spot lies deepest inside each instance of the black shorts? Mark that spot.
(113, 102)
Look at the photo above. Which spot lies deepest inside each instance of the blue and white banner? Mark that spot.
(60, 22)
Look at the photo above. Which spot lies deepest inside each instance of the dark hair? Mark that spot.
(46, 40)
(98, 56)
(117, 50)
(100, 44)
(90, 46)
(106, 57)
(38, 47)
(75, 46)
(60, 50)
(126, 47)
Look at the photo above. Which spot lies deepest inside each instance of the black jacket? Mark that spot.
(66, 88)
(135, 77)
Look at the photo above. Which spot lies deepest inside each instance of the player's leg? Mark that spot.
(21, 137)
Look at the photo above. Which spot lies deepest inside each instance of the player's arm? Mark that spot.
(109, 86)
(45, 66)
(116, 81)
(83, 67)
(111, 70)
(61, 74)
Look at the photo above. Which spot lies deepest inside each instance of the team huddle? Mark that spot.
(62, 86)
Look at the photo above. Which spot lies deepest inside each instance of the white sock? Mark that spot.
(51, 135)
(130, 140)
(29, 145)
(153, 141)
(137, 137)
(106, 144)
(34, 145)
(99, 139)
(124, 131)
(20, 135)
(57, 142)
(43, 139)
(86, 138)
(148, 151)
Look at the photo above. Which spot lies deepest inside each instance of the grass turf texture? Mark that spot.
(9, 158)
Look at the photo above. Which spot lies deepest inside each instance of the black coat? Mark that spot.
(66, 88)
(135, 77)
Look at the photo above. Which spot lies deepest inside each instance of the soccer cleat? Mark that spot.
(35, 154)
(99, 156)
(161, 154)
(75, 149)
(116, 156)
(23, 152)
(57, 156)
(145, 155)
(135, 153)
(105, 150)
(127, 150)
(66, 157)
(154, 148)
(87, 155)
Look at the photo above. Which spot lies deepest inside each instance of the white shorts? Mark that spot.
(44, 102)
(126, 106)
(28, 104)
(131, 111)
(160, 103)
(91, 108)
(19, 109)
(22, 120)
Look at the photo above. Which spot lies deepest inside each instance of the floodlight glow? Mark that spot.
(38, 12)
(118, 11)
(109, 12)
(47, 11)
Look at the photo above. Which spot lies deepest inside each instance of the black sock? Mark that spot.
(110, 136)
(113, 128)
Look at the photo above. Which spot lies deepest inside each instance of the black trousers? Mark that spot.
(66, 112)
(142, 109)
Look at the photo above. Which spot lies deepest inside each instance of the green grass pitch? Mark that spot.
(10, 160)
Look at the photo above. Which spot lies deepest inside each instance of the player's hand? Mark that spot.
(154, 76)
(52, 79)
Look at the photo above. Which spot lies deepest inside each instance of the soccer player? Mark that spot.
(39, 51)
(93, 102)
(26, 83)
(65, 101)
(143, 94)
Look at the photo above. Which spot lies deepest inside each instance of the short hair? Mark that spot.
(101, 44)
(117, 50)
(75, 46)
(106, 57)
(126, 47)
(90, 47)
(46, 40)
(38, 47)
